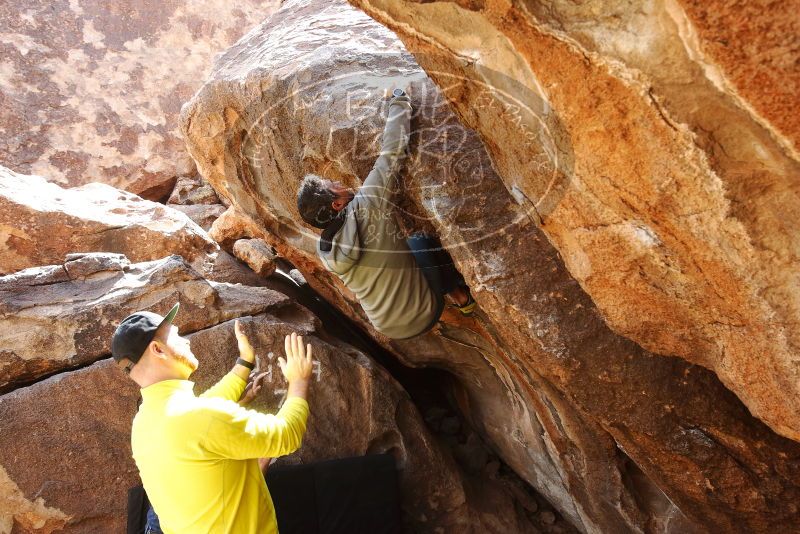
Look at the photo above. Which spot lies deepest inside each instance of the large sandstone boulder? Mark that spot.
(618, 438)
(653, 143)
(41, 223)
(91, 91)
(62, 316)
(77, 481)
(65, 459)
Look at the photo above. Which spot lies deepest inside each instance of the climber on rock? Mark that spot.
(400, 283)
(198, 456)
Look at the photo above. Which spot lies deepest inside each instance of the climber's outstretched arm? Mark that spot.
(377, 187)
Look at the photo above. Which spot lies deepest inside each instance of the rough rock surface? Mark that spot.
(62, 316)
(91, 91)
(257, 254)
(654, 145)
(192, 190)
(41, 223)
(80, 480)
(233, 225)
(203, 215)
(618, 438)
(755, 46)
(74, 466)
(198, 200)
(227, 268)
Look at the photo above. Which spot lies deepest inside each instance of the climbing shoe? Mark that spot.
(467, 309)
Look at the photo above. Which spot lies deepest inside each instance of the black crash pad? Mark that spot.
(348, 495)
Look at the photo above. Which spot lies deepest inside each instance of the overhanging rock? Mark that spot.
(653, 141)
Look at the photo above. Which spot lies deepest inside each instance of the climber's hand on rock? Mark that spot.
(246, 351)
(253, 387)
(297, 365)
(389, 92)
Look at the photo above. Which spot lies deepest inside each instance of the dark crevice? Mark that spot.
(160, 192)
(24, 383)
(661, 513)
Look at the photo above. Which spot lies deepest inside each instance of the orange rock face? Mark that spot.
(592, 225)
(755, 46)
(653, 143)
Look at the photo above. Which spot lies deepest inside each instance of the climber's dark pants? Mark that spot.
(153, 525)
(437, 267)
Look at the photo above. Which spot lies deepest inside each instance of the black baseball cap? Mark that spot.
(135, 333)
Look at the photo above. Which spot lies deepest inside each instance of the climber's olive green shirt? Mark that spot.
(369, 253)
(197, 456)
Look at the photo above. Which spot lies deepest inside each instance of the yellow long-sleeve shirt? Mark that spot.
(197, 456)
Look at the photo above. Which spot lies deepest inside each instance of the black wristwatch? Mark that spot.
(242, 361)
(398, 92)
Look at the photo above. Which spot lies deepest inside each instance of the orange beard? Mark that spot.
(185, 361)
